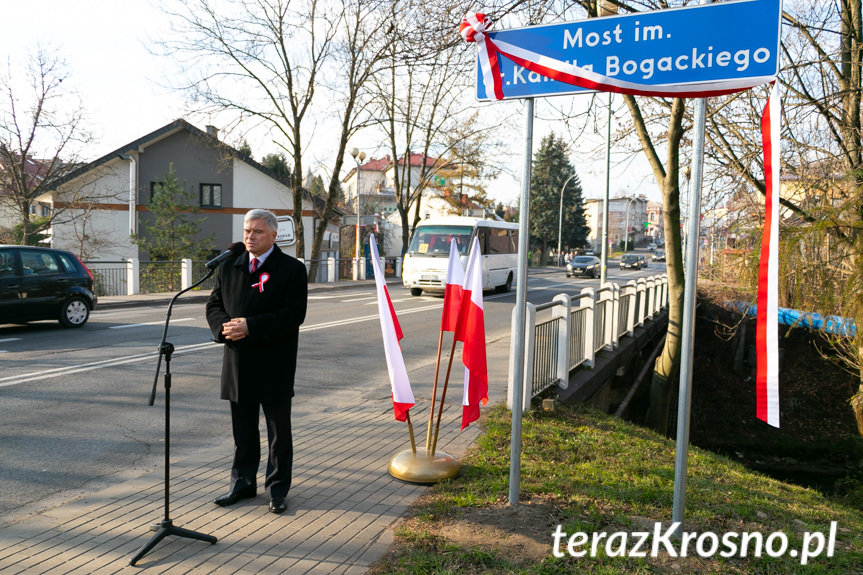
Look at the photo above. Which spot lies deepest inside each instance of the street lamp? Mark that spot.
(626, 225)
(560, 219)
(358, 157)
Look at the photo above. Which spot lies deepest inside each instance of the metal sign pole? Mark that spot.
(603, 270)
(687, 337)
(520, 307)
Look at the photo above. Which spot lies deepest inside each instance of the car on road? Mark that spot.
(658, 256)
(651, 247)
(632, 262)
(42, 283)
(583, 266)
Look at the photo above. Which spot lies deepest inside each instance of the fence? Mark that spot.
(581, 326)
(130, 277)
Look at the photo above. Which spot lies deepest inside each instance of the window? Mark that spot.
(153, 186)
(68, 262)
(211, 195)
(38, 263)
(498, 241)
(7, 263)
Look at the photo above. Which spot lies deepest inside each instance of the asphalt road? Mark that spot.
(73, 403)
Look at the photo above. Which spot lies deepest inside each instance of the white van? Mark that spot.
(425, 263)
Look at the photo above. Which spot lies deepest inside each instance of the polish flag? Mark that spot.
(403, 397)
(767, 315)
(453, 292)
(471, 330)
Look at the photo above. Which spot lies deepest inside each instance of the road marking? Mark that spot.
(68, 370)
(365, 318)
(151, 323)
(399, 300)
(358, 299)
(141, 357)
(10, 339)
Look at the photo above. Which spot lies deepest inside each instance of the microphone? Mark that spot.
(234, 249)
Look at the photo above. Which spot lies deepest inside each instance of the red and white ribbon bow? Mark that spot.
(475, 28)
(263, 279)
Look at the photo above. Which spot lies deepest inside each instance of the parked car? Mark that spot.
(658, 256)
(632, 262)
(651, 246)
(43, 283)
(584, 266)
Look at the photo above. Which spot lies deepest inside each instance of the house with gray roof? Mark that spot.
(226, 183)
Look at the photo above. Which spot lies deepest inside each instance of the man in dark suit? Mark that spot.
(256, 309)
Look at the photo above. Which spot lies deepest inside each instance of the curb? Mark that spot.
(114, 302)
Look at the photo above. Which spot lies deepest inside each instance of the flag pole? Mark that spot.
(443, 396)
(411, 431)
(434, 394)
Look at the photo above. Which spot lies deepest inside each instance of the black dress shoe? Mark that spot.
(278, 505)
(235, 495)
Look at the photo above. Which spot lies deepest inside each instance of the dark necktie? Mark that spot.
(254, 264)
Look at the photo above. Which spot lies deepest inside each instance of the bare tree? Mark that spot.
(261, 61)
(41, 124)
(423, 98)
(365, 35)
(822, 238)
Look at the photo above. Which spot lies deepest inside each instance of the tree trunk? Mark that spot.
(667, 364)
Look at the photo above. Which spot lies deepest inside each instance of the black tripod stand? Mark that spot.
(166, 526)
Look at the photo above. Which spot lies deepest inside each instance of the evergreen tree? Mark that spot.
(245, 150)
(316, 187)
(549, 172)
(172, 234)
(278, 164)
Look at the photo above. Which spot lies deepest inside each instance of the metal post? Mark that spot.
(688, 328)
(560, 219)
(520, 305)
(358, 157)
(603, 267)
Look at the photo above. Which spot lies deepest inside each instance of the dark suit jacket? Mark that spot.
(261, 366)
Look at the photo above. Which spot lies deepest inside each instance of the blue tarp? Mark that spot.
(831, 324)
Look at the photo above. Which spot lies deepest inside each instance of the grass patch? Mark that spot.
(590, 472)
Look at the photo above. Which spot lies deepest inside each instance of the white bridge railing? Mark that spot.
(579, 327)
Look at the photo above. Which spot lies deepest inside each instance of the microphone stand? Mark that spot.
(166, 526)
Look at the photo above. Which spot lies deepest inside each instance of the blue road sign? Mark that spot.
(731, 40)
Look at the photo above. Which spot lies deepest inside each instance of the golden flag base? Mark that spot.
(420, 468)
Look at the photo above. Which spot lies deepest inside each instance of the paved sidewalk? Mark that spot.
(340, 509)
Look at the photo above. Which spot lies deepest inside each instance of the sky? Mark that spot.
(104, 43)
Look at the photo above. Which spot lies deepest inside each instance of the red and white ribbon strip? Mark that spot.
(475, 28)
(263, 279)
(767, 318)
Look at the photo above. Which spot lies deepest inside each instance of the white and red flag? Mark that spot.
(471, 331)
(403, 396)
(454, 289)
(767, 316)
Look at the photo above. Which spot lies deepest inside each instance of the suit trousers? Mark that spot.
(247, 446)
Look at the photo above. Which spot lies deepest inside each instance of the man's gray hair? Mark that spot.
(265, 215)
